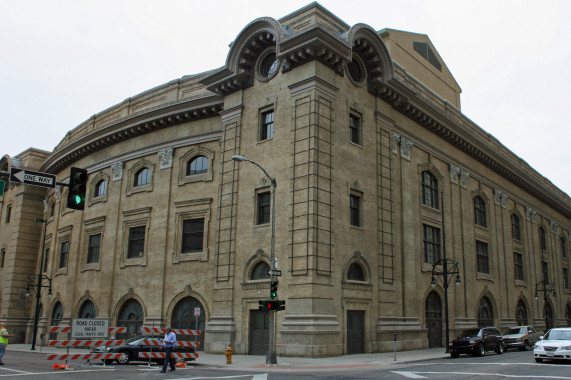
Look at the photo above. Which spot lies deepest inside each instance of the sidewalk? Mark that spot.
(257, 362)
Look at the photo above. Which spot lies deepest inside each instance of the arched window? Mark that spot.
(131, 316)
(87, 310)
(197, 165)
(485, 313)
(516, 232)
(142, 177)
(100, 188)
(184, 317)
(429, 189)
(355, 272)
(480, 212)
(260, 271)
(521, 314)
(57, 315)
(542, 242)
(563, 245)
(433, 315)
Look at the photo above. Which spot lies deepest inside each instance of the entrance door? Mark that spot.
(355, 332)
(259, 332)
(433, 314)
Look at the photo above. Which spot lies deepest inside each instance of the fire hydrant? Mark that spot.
(228, 355)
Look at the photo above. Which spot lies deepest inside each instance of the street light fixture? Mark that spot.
(546, 287)
(271, 355)
(445, 272)
(38, 282)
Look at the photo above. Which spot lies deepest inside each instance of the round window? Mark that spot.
(269, 65)
(355, 70)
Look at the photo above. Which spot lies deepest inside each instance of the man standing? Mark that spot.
(3, 341)
(168, 344)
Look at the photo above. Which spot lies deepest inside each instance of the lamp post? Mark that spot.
(546, 287)
(271, 355)
(445, 272)
(38, 281)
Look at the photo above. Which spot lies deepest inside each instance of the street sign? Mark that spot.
(89, 328)
(275, 272)
(32, 178)
(197, 312)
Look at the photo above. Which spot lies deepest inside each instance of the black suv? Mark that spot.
(477, 342)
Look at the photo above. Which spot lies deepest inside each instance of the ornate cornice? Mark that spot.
(134, 125)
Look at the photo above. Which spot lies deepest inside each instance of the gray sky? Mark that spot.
(63, 61)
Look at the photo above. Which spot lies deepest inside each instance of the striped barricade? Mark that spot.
(158, 342)
(84, 356)
(158, 330)
(57, 329)
(85, 343)
(162, 355)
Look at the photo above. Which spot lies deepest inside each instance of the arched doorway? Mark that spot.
(57, 315)
(184, 317)
(485, 313)
(433, 315)
(521, 314)
(568, 315)
(87, 310)
(130, 316)
(548, 317)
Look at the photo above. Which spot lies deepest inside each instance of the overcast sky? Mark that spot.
(63, 61)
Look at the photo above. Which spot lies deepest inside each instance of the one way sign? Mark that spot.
(32, 178)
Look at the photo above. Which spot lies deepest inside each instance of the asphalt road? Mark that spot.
(511, 365)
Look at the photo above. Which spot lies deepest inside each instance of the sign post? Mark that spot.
(196, 315)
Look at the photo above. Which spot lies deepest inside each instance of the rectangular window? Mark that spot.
(192, 235)
(94, 248)
(64, 252)
(2, 257)
(267, 125)
(431, 238)
(565, 279)
(263, 208)
(482, 254)
(355, 210)
(518, 266)
(136, 242)
(46, 256)
(8, 213)
(355, 129)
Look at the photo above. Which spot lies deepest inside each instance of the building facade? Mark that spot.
(380, 180)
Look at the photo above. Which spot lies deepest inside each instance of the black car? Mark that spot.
(477, 342)
(132, 346)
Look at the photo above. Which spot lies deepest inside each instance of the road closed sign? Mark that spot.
(89, 328)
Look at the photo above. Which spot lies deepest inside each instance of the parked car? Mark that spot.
(522, 337)
(477, 342)
(555, 345)
(132, 346)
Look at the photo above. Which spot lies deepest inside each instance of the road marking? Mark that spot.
(262, 376)
(415, 375)
(24, 373)
(410, 375)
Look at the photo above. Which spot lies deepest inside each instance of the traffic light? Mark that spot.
(77, 189)
(274, 290)
(263, 305)
(280, 305)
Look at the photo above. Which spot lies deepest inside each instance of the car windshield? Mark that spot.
(470, 332)
(558, 335)
(515, 330)
(134, 340)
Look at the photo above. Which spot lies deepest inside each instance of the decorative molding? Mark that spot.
(554, 227)
(406, 145)
(504, 200)
(58, 193)
(530, 214)
(46, 204)
(454, 173)
(117, 170)
(464, 178)
(165, 157)
(500, 198)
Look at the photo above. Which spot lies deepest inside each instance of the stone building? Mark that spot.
(380, 177)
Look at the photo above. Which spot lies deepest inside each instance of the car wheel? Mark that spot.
(526, 346)
(125, 358)
(454, 355)
(500, 349)
(539, 360)
(480, 350)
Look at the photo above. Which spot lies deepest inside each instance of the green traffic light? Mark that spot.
(78, 199)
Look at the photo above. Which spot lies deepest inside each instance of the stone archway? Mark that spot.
(183, 317)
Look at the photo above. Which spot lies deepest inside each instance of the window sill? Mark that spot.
(484, 276)
(191, 256)
(134, 261)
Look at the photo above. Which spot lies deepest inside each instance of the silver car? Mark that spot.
(555, 345)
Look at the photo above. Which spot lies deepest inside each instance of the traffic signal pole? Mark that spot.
(271, 355)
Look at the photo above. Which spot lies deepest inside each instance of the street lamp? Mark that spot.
(38, 282)
(271, 355)
(445, 272)
(546, 287)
